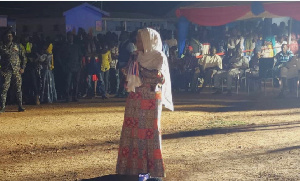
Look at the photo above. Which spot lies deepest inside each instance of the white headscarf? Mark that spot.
(154, 59)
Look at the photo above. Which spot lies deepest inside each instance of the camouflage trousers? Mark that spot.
(8, 78)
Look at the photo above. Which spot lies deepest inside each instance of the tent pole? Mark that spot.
(290, 31)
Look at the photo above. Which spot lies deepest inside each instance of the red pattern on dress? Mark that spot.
(140, 128)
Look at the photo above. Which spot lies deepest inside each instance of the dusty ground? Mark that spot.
(207, 137)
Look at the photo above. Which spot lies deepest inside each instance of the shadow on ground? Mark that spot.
(235, 129)
(114, 177)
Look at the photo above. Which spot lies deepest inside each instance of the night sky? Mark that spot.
(56, 8)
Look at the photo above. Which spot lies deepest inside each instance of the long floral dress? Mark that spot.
(140, 143)
(48, 90)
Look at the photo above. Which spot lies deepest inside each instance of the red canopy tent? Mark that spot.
(220, 13)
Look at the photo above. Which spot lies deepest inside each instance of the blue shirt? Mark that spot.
(284, 57)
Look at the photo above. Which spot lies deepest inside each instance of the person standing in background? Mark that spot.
(126, 48)
(105, 66)
(114, 72)
(72, 56)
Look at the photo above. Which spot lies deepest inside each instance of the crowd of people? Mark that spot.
(212, 56)
(82, 65)
(66, 68)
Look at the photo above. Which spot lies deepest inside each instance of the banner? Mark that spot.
(99, 25)
(3, 21)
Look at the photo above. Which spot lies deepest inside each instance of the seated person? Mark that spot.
(189, 69)
(267, 49)
(237, 64)
(253, 71)
(283, 66)
(209, 65)
(280, 41)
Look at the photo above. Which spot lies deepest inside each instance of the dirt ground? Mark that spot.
(207, 137)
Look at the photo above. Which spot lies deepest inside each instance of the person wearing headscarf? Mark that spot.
(140, 143)
(48, 90)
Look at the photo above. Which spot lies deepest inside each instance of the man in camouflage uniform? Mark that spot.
(12, 66)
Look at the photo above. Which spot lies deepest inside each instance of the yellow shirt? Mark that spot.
(49, 50)
(106, 59)
(28, 47)
(267, 51)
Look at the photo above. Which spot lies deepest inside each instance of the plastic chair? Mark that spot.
(266, 66)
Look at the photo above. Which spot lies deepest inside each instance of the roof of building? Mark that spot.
(125, 15)
(88, 7)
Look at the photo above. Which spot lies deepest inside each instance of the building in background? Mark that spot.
(119, 21)
(52, 21)
(45, 26)
(84, 16)
(95, 20)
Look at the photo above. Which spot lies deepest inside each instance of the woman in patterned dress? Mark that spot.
(140, 144)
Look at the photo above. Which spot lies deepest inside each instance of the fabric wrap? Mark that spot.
(154, 59)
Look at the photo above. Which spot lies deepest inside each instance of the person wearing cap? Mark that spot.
(13, 62)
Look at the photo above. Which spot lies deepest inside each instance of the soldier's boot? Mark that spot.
(21, 108)
(2, 110)
(37, 100)
(2, 103)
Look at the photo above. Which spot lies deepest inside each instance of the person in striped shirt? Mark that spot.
(281, 69)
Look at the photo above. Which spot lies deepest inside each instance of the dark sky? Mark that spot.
(156, 8)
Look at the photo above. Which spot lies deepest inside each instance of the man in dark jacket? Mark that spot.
(71, 56)
(12, 63)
